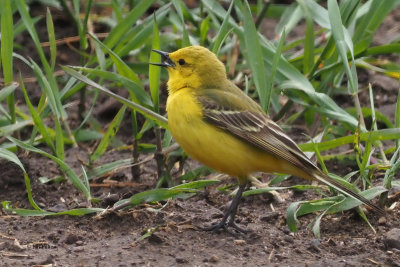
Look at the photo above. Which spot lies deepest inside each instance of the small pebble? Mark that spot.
(180, 260)
(155, 239)
(288, 238)
(70, 238)
(269, 216)
(382, 220)
(315, 242)
(239, 242)
(392, 239)
(314, 245)
(214, 259)
(78, 249)
(331, 242)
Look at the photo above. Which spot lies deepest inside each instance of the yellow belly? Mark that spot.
(214, 147)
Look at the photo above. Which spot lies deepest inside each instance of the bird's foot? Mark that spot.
(226, 226)
(229, 214)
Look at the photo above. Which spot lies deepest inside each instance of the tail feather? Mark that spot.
(323, 178)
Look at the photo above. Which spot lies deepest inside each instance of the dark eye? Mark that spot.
(181, 61)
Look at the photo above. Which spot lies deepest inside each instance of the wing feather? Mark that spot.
(255, 127)
(245, 120)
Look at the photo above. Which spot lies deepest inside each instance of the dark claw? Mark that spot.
(214, 227)
(229, 213)
(239, 229)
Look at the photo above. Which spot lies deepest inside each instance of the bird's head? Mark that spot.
(192, 67)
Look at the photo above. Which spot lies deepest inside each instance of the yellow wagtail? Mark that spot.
(220, 126)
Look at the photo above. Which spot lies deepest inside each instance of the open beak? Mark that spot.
(165, 60)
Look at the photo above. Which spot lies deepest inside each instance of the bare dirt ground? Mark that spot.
(114, 240)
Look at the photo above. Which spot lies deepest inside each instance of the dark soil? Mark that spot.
(115, 239)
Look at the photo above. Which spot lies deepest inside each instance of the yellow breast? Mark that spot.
(211, 146)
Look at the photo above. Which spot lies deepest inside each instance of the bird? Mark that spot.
(217, 124)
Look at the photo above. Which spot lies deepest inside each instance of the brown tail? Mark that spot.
(323, 178)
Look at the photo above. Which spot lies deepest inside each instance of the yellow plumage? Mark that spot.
(214, 147)
(218, 125)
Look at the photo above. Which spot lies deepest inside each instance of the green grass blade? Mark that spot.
(349, 203)
(397, 114)
(179, 6)
(116, 34)
(160, 194)
(109, 167)
(52, 40)
(258, 191)
(38, 122)
(380, 117)
(384, 134)
(8, 90)
(84, 28)
(392, 171)
(382, 49)
(53, 86)
(316, 225)
(155, 195)
(86, 181)
(312, 206)
(72, 176)
(100, 55)
(79, 212)
(197, 184)
(46, 87)
(7, 37)
(155, 71)
(140, 94)
(371, 21)
(204, 28)
(160, 120)
(336, 204)
(122, 68)
(196, 173)
(83, 135)
(223, 30)
(319, 157)
(328, 107)
(318, 13)
(59, 140)
(29, 192)
(8, 155)
(73, 212)
(289, 19)
(19, 27)
(5, 154)
(308, 60)
(109, 135)
(291, 216)
(274, 67)
(141, 37)
(7, 45)
(254, 55)
(342, 43)
(55, 105)
(9, 129)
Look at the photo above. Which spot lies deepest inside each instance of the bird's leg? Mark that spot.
(230, 213)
